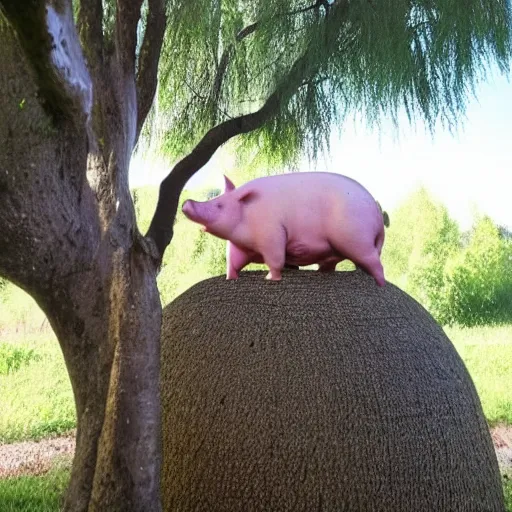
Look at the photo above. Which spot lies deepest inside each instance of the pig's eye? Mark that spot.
(219, 206)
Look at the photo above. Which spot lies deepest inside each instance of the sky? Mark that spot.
(470, 171)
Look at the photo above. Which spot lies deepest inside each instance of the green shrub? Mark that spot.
(12, 358)
(463, 279)
(421, 238)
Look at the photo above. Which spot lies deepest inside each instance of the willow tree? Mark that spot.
(78, 80)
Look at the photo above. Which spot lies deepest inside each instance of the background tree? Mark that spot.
(478, 282)
(462, 278)
(78, 81)
(421, 239)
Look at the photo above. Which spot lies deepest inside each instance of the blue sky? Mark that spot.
(469, 172)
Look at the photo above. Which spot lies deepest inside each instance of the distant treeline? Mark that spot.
(461, 277)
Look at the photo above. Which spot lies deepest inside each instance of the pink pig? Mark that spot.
(295, 219)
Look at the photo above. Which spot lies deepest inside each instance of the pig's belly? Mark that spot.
(303, 253)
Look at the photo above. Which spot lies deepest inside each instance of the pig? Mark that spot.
(295, 219)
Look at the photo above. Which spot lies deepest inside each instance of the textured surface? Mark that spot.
(320, 392)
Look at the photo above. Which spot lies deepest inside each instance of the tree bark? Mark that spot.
(68, 237)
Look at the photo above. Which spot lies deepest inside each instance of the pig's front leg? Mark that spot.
(273, 251)
(236, 259)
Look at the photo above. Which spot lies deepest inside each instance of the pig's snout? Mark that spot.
(202, 213)
(188, 208)
(193, 211)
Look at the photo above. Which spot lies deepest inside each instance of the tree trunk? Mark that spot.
(108, 321)
(64, 200)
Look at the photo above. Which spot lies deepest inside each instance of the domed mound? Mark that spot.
(319, 392)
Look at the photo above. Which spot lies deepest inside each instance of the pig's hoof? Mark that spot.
(270, 277)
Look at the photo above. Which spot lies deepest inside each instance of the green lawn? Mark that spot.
(36, 399)
(507, 489)
(34, 493)
(487, 353)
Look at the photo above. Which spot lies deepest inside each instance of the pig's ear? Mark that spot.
(228, 184)
(247, 196)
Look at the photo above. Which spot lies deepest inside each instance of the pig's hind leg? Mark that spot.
(364, 254)
(372, 263)
(373, 266)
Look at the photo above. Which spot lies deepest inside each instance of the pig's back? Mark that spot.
(308, 188)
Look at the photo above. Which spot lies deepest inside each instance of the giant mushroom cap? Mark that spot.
(319, 392)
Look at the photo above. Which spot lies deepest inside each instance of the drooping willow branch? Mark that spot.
(240, 36)
(161, 227)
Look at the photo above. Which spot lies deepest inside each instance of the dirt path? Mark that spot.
(502, 439)
(35, 458)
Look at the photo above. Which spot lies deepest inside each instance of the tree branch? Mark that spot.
(48, 38)
(127, 19)
(161, 228)
(149, 57)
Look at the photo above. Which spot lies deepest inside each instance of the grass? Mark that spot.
(12, 358)
(44, 493)
(34, 493)
(507, 489)
(487, 353)
(36, 399)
